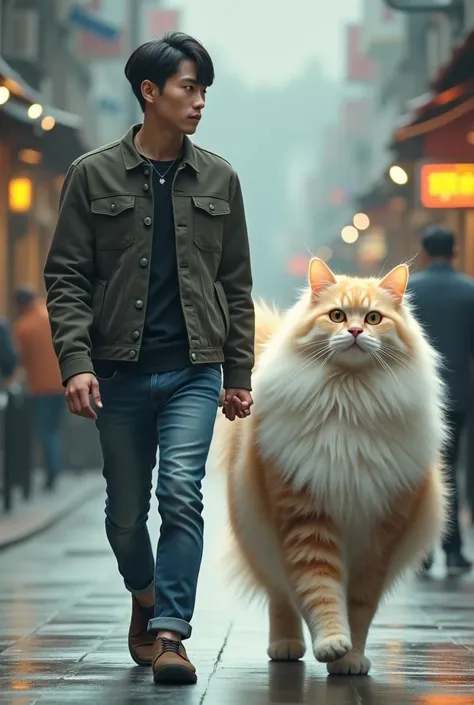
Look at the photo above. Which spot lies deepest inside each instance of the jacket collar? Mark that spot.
(440, 267)
(132, 159)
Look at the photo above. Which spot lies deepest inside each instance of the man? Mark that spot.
(33, 339)
(444, 305)
(149, 292)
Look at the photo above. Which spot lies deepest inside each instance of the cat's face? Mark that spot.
(355, 322)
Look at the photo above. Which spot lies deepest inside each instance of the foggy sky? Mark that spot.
(263, 45)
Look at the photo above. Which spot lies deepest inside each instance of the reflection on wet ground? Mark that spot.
(64, 620)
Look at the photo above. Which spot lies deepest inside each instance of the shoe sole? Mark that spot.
(174, 675)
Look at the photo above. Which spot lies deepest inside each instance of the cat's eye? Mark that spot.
(337, 316)
(374, 318)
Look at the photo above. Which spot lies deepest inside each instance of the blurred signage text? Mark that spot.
(155, 23)
(447, 185)
(423, 5)
(91, 24)
(360, 68)
(381, 26)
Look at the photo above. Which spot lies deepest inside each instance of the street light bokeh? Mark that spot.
(34, 111)
(361, 221)
(398, 175)
(4, 95)
(20, 194)
(350, 234)
(48, 122)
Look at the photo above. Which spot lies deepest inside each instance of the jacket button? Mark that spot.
(193, 356)
(136, 334)
(143, 262)
(139, 303)
(211, 206)
(147, 221)
(145, 187)
(132, 354)
(146, 172)
(113, 206)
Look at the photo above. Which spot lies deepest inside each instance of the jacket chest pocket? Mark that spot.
(113, 219)
(208, 222)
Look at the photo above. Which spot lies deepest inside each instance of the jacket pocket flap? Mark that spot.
(112, 205)
(212, 206)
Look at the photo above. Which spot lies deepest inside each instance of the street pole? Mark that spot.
(135, 7)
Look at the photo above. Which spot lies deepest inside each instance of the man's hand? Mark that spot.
(78, 392)
(237, 403)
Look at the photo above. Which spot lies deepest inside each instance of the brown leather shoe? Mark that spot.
(171, 664)
(140, 641)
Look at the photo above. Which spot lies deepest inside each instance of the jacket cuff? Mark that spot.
(237, 378)
(75, 366)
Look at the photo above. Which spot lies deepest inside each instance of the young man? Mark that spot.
(444, 305)
(149, 293)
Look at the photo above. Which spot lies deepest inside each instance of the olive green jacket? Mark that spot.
(97, 269)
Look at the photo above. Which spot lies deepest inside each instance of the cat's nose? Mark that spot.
(355, 331)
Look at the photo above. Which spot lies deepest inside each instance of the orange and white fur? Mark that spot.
(334, 482)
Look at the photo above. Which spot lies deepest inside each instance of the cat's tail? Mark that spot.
(267, 322)
(227, 434)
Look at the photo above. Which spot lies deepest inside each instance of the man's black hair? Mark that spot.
(437, 241)
(159, 59)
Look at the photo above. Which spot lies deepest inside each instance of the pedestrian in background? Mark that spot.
(444, 305)
(32, 333)
(149, 294)
(8, 354)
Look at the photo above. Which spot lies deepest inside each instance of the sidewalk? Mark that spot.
(64, 620)
(27, 518)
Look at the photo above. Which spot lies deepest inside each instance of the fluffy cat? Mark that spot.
(334, 483)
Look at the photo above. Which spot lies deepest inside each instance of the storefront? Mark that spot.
(37, 144)
(435, 148)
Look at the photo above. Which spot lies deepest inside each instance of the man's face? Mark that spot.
(182, 101)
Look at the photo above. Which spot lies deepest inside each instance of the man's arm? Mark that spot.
(8, 354)
(235, 276)
(68, 276)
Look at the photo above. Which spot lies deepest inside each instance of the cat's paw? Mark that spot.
(332, 648)
(286, 650)
(353, 664)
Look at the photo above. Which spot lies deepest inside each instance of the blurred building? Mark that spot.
(46, 121)
(127, 23)
(414, 163)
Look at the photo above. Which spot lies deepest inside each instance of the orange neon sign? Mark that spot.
(447, 185)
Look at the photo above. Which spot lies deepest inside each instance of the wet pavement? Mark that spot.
(64, 621)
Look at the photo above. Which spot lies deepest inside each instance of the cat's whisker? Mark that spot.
(384, 365)
(325, 354)
(400, 361)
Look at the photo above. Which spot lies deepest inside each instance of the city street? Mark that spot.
(64, 620)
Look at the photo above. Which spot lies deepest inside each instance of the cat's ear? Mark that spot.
(396, 282)
(319, 276)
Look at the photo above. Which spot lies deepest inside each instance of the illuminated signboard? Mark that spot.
(447, 185)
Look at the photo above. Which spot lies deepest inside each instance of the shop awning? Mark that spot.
(451, 96)
(56, 132)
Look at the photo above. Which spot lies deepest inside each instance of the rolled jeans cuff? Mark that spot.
(144, 591)
(170, 624)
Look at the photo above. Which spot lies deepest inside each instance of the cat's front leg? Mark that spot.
(312, 550)
(364, 594)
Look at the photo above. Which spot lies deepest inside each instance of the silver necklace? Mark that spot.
(161, 176)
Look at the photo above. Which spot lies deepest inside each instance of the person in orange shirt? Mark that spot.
(33, 340)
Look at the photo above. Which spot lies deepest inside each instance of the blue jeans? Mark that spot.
(49, 409)
(176, 412)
